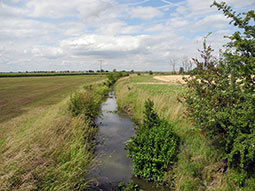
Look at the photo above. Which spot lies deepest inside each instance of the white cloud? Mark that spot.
(8, 11)
(59, 8)
(47, 52)
(177, 22)
(144, 12)
(117, 27)
(156, 28)
(101, 43)
(20, 29)
(212, 21)
(73, 35)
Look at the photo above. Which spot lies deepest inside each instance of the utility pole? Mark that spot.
(101, 62)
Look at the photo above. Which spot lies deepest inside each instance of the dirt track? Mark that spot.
(173, 79)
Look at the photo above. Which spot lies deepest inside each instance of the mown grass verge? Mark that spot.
(199, 165)
(53, 149)
(21, 95)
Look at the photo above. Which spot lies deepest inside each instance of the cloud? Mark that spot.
(8, 11)
(117, 27)
(213, 21)
(73, 35)
(47, 52)
(103, 45)
(177, 22)
(144, 12)
(60, 9)
(20, 29)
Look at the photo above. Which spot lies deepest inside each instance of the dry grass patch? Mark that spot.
(173, 79)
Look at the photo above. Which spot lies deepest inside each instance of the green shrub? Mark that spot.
(85, 103)
(102, 90)
(128, 187)
(221, 96)
(154, 148)
(113, 77)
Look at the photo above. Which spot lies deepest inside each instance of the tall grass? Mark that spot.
(50, 152)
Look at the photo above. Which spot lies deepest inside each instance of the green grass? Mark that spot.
(161, 89)
(143, 78)
(198, 161)
(44, 147)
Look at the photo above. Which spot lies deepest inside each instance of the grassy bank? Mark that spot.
(199, 165)
(46, 147)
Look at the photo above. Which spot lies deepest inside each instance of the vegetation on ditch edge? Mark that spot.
(154, 148)
(220, 100)
(54, 151)
(113, 77)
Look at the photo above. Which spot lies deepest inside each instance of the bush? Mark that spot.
(113, 77)
(85, 103)
(221, 98)
(154, 148)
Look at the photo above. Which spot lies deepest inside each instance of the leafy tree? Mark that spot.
(221, 95)
(181, 71)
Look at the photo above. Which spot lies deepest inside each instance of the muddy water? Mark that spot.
(114, 130)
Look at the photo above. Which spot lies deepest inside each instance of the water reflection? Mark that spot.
(114, 130)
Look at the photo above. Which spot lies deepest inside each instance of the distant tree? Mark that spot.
(173, 63)
(190, 65)
(181, 71)
(114, 70)
(185, 63)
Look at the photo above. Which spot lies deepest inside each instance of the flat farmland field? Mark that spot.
(19, 95)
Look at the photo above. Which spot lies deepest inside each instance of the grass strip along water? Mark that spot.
(199, 165)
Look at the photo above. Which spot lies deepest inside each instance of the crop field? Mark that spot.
(19, 95)
(39, 74)
(173, 79)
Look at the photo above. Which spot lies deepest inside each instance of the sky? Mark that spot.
(140, 35)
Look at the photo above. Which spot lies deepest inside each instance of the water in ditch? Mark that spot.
(114, 130)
